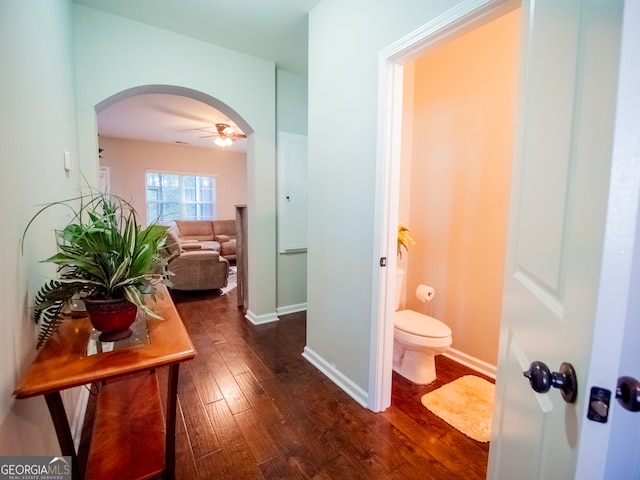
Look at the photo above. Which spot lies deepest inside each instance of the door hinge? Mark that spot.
(383, 261)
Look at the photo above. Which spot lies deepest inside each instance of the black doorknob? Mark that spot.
(542, 379)
(628, 393)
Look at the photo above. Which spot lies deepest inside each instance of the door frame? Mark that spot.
(616, 328)
(454, 22)
(605, 450)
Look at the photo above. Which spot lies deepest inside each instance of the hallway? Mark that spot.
(251, 407)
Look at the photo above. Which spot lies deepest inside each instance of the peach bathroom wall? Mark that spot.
(463, 130)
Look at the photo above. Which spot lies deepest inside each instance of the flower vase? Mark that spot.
(111, 317)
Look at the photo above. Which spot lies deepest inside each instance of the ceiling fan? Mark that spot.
(224, 134)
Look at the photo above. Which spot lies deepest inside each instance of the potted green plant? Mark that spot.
(404, 239)
(105, 256)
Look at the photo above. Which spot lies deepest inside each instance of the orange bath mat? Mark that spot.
(466, 404)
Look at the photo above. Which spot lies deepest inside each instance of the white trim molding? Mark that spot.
(300, 307)
(261, 319)
(337, 377)
(471, 362)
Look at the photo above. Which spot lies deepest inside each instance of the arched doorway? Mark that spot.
(155, 127)
(180, 91)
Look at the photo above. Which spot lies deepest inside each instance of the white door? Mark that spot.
(557, 229)
(292, 192)
(612, 449)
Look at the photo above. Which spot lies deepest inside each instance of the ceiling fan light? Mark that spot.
(223, 141)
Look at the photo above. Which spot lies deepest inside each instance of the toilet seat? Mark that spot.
(419, 324)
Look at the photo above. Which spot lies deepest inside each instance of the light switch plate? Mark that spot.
(67, 161)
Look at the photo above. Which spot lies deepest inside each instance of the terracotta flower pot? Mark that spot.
(111, 317)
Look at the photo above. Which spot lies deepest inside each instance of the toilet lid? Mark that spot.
(420, 324)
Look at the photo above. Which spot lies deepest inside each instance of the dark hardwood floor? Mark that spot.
(251, 407)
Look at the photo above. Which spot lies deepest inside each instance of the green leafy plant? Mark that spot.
(404, 239)
(103, 253)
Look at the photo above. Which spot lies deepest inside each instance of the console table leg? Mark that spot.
(172, 403)
(63, 431)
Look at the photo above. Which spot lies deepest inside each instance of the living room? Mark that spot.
(129, 160)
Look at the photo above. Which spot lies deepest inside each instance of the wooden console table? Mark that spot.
(130, 437)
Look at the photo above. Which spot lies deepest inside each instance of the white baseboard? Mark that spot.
(471, 362)
(300, 307)
(260, 319)
(330, 371)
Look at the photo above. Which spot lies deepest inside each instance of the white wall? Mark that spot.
(292, 97)
(291, 118)
(114, 54)
(345, 39)
(37, 125)
(128, 161)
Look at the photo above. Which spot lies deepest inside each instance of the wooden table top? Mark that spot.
(63, 361)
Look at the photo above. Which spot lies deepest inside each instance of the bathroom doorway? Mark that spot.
(441, 187)
(460, 114)
(571, 54)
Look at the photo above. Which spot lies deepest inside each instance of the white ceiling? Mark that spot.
(275, 30)
(164, 118)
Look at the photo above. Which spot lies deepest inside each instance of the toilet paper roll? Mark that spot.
(425, 293)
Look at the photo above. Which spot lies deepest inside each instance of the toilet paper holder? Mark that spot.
(424, 293)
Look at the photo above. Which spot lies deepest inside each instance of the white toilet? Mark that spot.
(417, 339)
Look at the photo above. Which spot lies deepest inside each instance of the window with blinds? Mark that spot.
(179, 196)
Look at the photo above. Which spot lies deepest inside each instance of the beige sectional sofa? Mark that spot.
(218, 235)
(199, 252)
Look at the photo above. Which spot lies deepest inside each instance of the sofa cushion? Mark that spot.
(191, 246)
(210, 246)
(172, 243)
(222, 238)
(195, 229)
(224, 227)
(228, 249)
(198, 270)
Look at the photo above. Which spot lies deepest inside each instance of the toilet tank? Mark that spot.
(399, 286)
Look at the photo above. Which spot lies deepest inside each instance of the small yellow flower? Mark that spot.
(404, 239)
